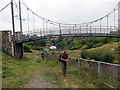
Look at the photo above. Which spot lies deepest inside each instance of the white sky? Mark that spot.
(72, 11)
(67, 11)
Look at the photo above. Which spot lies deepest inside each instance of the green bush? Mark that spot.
(108, 57)
(84, 47)
(84, 54)
(38, 48)
(97, 45)
(27, 49)
(98, 55)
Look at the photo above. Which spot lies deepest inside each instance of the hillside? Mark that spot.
(111, 50)
(108, 47)
(79, 43)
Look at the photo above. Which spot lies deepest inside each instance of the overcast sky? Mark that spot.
(72, 11)
(67, 11)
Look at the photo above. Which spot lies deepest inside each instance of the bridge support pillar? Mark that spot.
(7, 44)
(18, 47)
(18, 52)
(13, 49)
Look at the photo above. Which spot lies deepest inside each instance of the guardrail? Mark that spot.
(112, 69)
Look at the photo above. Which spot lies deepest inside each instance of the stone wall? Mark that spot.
(7, 44)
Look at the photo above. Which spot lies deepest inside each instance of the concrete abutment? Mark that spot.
(10, 47)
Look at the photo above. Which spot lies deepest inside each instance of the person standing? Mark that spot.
(42, 55)
(63, 59)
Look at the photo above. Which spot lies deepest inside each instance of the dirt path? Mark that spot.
(38, 81)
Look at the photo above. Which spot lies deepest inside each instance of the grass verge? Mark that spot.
(17, 72)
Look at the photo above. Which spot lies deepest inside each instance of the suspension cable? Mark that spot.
(33, 23)
(114, 17)
(43, 27)
(16, 6)
(46, 27)
(57, 23)
(86, 28)
(75, 29)
(5, 7)
(28, 20)
(100, 25)
(80, 29)
(107, 23)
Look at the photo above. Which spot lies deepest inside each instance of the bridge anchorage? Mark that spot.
(35, 27)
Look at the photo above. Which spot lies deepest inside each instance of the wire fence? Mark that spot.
(106, 73)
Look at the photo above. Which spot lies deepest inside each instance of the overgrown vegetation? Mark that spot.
(107, 53)
(17, 72)
(81, 43)
(84, 42)
(98, 55)
(27, 48)
(74, 43)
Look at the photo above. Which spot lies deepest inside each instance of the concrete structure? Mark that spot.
(18, 50)
(17, 35)
(12, 48)
(18, 46)
(7, 44)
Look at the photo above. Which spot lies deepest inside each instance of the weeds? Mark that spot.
(99, 55)
(18, 72)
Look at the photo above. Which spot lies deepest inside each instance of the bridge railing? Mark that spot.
(67, 31)
(71, 30)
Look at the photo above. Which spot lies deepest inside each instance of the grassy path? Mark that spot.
(33, 72)
(38, 81)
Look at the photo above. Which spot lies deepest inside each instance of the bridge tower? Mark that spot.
(17, 47)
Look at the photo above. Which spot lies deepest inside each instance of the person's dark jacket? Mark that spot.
(63, 56)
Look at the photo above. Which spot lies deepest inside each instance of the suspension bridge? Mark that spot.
(29, 26)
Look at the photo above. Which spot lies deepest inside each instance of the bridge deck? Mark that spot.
(33, 38)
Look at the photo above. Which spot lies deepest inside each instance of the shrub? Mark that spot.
(83, 54)
(98, 55)
(38, 48)
(26, 48)
(84, 47)
(97, 45)
(108, 57)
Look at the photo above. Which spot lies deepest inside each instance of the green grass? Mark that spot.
(17, 72)
(86, 78)
(110, 50)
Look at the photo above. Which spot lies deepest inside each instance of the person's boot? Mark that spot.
(64, 75)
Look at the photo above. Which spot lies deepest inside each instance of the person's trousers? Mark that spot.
(64, 66)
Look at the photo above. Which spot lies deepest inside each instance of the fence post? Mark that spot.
(78, 65)
(118, 76)
(98, 69)
(68, 62)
